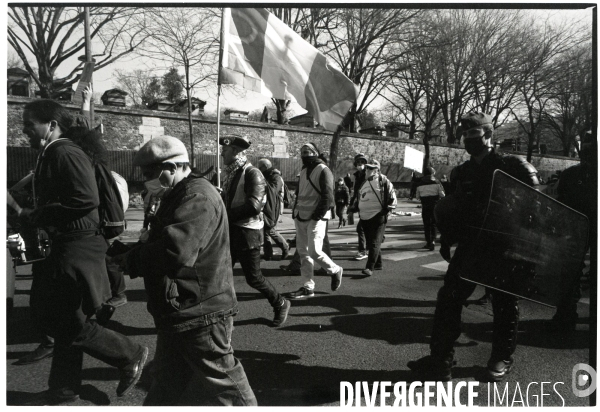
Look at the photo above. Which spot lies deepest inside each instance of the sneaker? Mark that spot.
(303, 292)
(360, 256)
(367, 272)
(117, 301)
(284, 254)
(431, 246)
(431, 369)
(497, 370)
(36, 355)
(281, 313)
(336, 279)
(130, 375)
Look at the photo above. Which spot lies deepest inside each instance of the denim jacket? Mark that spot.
(186, 263)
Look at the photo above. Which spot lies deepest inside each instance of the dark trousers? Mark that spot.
(374, 229)
(203, 356)
(362, 240)
(115, 278)
(429, 223)
(272, 233)
(77, 335)
(250, 261)
(447, 319)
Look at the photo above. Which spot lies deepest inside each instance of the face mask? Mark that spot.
(370, 173)
(308, 160)
(475, 146)
(360, 167)
(44, 141)
(155, 187)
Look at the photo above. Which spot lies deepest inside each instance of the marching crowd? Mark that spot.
(196, 232)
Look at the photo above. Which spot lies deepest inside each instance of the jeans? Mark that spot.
(272, 233)
(309, 243)
(250, 261)
(429, 223)
(206, 354)
(374, 229)
(341, 211)
(362, 240)
(115, 278)
(77, 335)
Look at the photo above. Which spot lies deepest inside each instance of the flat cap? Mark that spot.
(474, 119)
(232, 140)
(161, 149)
(373, 164)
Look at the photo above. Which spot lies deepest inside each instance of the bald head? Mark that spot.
(264, 164)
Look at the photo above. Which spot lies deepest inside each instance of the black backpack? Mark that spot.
(287, 196)
(112, 217)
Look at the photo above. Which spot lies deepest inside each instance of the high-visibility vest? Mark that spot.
(253, 222)
(308, 197)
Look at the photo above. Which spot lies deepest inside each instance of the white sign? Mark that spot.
(413, 159)
(151, 121)
(151, 130)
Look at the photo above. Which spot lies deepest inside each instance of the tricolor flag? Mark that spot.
(261, 53)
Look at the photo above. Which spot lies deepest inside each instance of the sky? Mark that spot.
(248, 100)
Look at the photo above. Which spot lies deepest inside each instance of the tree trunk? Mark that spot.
(282, 105)
(190, 123)
(333, 150)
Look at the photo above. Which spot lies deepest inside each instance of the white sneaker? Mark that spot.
(361, 256)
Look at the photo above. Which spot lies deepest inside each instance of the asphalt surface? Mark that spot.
(366, 331)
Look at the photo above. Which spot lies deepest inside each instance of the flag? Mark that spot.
(261, 53)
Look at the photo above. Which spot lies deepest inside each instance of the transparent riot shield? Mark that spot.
(529, 245)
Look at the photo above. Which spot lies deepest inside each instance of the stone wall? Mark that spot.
(126, 128)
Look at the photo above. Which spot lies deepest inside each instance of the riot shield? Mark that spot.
(529, 245)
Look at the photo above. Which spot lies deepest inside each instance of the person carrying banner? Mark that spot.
(71, 283)
(187, 272)
(273, 209)
(244, 196)
(456, 215)
(311, 214)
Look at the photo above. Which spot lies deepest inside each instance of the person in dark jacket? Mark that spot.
(471, 184)
(273, 209)
(187, 273)
(244, 195)
(311, 213)
(359, 177)
(429, 192)
(342, 199)
(71, 284)
(415, 180)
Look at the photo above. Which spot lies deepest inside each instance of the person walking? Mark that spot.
(311, 213)
(342, 199)
(359, 177)
(187, 271)
(471, 184)
(429, 192)
(376, 200)
(273, 209)
(244, 196)
(71, 284)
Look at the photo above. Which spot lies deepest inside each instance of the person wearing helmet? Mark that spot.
(471, 184)
(429, 192)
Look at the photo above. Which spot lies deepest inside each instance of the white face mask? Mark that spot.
(155, 187)
(44, 141)
(360, 167)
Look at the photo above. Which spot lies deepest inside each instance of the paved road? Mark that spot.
(366, 331)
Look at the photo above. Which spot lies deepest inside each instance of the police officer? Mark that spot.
(471, 184)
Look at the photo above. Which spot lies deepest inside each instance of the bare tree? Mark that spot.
(186, 38)
(53, 35)
(142, 87)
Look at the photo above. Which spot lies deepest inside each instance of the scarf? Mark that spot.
(231, 169)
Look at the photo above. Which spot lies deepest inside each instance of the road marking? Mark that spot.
(441, 266)
(408, 254)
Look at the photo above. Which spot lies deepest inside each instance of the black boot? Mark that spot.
(430, 369)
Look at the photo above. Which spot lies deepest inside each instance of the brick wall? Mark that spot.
(128, 129)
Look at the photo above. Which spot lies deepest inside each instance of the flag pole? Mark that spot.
(221, 37)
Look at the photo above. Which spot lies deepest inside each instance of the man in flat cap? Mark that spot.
(471, 184)
(187, 273)
(245, 197)
(359, 178)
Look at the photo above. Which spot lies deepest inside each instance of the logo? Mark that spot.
(583, 376)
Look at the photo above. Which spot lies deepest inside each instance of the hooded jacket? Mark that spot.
(274, 187)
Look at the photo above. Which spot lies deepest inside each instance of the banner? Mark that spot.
(261, 53)
(413, 159)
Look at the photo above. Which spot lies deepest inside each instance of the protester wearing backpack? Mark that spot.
(376, 200)
(71, 283)
(273, 209)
